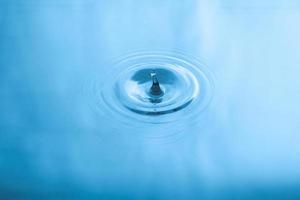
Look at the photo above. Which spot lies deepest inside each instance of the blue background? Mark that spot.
(53, 146)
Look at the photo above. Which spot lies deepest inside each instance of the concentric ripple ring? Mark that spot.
(157, 88)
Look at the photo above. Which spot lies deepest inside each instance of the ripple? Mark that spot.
(176, 88)
(147, 89)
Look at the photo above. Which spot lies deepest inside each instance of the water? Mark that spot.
(148, 86)
(127, 94)
(224, 124)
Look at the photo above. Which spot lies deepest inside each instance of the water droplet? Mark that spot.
(155, 89)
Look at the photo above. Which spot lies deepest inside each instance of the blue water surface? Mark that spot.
(57, 142)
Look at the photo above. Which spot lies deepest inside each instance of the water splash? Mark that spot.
(168, 90)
